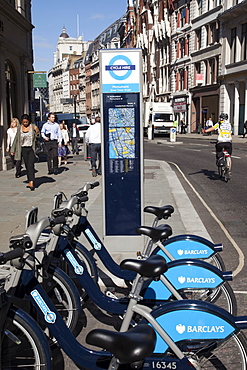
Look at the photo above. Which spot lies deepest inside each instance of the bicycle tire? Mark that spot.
(220, 171)
(64, 295)
(222, 296)
(24, 345)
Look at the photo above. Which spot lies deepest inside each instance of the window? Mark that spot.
(199, 6)
(181, 79)
(182, 16)
(70, 48)
(244, 42)
(233, 45)
(10, 83)
(198, 39)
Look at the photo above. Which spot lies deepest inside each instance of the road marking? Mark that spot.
(240, 292)
(225, 231)
(233, 156)
(199, 144)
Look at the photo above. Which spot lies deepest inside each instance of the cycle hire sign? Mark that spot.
(121, 99)
(121, 72)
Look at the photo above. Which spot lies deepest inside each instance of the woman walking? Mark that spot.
(11, 132)
(63, 150)
(24, 146)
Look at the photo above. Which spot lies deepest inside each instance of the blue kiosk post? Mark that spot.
(122, 147)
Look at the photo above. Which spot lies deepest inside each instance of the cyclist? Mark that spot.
(224, 140)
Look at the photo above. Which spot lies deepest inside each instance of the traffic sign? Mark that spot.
(39, 80)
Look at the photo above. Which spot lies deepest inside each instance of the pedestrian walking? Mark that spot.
(74, 137)
(209, 124)
(24, 147)
(183, 126)
(53, 139)
(93, 138)
(63, 149)
(11, 132)
(245, 129)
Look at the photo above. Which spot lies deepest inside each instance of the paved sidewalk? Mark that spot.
(161, 187)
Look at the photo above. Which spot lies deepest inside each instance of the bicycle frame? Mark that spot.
(187, 246)
(181, 274)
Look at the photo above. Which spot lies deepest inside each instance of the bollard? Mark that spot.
(173, 132)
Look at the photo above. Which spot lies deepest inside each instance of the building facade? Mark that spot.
(233, 71)
(65, 85)
(16, 61)
(194, 54)
(108, 39)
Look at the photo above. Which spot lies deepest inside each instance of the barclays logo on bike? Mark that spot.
(77, 267)
(182, 252)
(49, 316)
(180, 328)
(196, 280)
(96, 244)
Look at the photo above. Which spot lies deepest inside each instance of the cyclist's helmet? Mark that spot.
(223, 117)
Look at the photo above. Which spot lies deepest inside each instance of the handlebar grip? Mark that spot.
(57, 221)
(27, 242)
(94, 184)
(83, 198)
(11, 255)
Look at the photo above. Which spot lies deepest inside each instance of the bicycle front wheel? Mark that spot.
(24, 345)
(64, 295)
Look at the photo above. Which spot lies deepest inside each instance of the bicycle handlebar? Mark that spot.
(58, 220)
(11, 255)
(66, 212)
(22, 241)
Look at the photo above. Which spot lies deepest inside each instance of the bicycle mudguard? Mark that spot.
(192, 320)
(188, 246)
(185, 274)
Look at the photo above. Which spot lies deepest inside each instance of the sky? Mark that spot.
(49, 17)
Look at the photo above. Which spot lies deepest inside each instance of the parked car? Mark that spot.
(82, 128)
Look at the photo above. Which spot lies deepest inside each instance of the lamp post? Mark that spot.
(75, 97)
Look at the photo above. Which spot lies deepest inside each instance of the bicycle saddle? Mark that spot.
(128, 347)
(152, 267)
(160, 212)
(156, 233)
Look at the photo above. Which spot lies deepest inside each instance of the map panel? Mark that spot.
(121, 133)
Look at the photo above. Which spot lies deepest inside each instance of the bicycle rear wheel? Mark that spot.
(222, 296)
(221, 355)
(24, 345)
(217, 261)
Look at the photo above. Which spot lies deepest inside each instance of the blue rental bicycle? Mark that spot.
(184, 278)
(190, 334)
